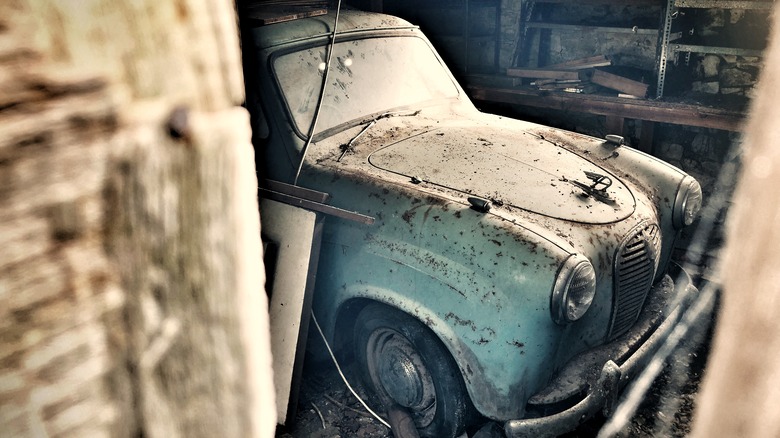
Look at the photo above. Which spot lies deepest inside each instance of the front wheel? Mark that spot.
(404, 363)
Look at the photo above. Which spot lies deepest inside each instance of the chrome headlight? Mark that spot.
(574, 289)
(687, 203)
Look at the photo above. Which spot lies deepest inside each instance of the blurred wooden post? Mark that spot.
(131, 279)
(741, 389)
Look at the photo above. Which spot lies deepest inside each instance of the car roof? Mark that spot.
(320, 26)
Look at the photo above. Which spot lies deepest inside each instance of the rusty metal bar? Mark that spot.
(317, 206)
(299, 192)
(716, 50)
(663, 47)
(401, 422)
(654, 111)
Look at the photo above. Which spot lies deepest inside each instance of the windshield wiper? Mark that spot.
(348, 146)
(371, 122)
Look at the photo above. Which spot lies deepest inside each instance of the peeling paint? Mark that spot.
(463, 322)
(516, 344)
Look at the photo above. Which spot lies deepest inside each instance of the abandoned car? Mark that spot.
(475, 266)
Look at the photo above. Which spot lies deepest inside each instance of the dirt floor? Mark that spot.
(326, 408)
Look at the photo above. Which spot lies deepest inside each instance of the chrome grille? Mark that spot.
(635, 264)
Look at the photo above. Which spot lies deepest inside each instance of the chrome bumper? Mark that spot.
(604, 387)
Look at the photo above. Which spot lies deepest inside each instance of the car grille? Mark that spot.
(635, 264)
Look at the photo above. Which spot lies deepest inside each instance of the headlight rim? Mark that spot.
(681, 200)
(561, 287)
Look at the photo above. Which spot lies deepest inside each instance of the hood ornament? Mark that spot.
(598, 189)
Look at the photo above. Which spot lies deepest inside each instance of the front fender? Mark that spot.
(495, 322)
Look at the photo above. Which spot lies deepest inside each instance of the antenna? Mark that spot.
(322, 95)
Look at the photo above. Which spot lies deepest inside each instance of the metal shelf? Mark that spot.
(668, 49)
(582, 28)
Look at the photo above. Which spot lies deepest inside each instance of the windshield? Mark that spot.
(367, 76)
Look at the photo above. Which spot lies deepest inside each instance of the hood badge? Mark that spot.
(598, 189)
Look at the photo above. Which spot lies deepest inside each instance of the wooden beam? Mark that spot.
(540, 73)
(646, 137)
(614, 124)
(664, 112)
(498, 81)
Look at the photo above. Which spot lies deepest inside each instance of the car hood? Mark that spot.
(508, 167)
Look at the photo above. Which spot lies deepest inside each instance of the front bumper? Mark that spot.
(592, 380)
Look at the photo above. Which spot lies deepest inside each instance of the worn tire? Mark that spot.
(401, 361)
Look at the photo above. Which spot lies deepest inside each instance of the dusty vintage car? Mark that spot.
(470, 264)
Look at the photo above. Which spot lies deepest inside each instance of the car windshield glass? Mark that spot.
(367, 76)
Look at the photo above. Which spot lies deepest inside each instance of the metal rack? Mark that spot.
(668, 49)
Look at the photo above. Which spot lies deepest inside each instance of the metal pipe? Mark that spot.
(401, 422)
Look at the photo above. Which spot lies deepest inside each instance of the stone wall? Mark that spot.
(725, 75)
(720, 78)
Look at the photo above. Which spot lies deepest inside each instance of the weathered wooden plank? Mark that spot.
(291, 232)
(130, 271)
(582, 63)
(183, 315)
(619, 83)
(541, 73)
